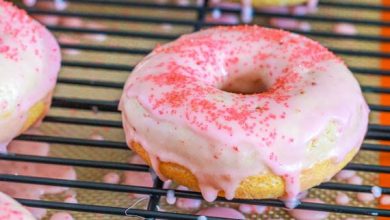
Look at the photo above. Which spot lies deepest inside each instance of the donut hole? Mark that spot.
(246, 84)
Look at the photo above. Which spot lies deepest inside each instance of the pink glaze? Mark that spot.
(345, 28)
(97, 137)
(252, 209)
(166, 27)
(342, 199)
(345, 174)
(225, 18)
(357, 180)
(221, 212)
(112, 178)
(365, 197)
(97, 26)
(385, 200)
(61, 216)
(137, 178)
(12, 210)
(291, 24)
(30, 191)
(174, 104)
(183, 2)
(72, 22)
(301, 214)
(71, 199)
(30, 61)
(69, 40)
(185, 203)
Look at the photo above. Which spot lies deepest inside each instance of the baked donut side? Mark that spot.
(262, 186)
(30, 61)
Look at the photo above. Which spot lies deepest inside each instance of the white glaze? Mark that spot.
(174, 106)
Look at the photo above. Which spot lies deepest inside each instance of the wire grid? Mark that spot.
(73, 111)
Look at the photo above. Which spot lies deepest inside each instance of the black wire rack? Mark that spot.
(376, 132)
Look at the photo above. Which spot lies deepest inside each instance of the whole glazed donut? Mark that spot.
(29, 64)
(245, 112)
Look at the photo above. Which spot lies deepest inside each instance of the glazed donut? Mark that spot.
(245, 112)
(29, 64)
(10, 209)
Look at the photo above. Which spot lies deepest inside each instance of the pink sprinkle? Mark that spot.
(385, 200)
(62, 216)
(357, 180)
(365, 197)
(187, 204)
(345, 28)
(342, 199)
(291, 24)
(345, 174)
(112, 178)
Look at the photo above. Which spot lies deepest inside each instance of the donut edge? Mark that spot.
(254, 187)
(37, 112)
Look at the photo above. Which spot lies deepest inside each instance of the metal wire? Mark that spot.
(376, 131)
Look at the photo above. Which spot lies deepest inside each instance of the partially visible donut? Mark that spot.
(12, 210)
(29, 64)
(245, 112)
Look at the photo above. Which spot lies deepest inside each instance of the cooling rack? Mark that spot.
(363, 59)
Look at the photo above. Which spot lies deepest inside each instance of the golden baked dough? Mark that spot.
(254, 187)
